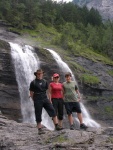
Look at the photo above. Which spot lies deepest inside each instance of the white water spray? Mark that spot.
(26, 62)
(65, 68)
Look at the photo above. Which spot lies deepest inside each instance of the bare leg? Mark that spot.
(39, 125)
(79, 115)
(60, 123)
(55, 120)
(70, 118)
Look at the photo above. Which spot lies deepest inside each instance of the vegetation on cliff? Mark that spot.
(65, 24)
(77, 31)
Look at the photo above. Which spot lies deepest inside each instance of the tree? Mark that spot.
(94, 17)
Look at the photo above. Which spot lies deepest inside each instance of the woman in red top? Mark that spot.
(56, 97)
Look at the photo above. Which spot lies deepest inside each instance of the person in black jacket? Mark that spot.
(38, 88)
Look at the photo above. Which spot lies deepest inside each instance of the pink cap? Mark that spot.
(55, 75)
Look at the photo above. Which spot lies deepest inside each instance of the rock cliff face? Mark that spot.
(9, 96)
(105, 7)
(98, 99)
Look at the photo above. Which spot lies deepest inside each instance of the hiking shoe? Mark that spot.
(72, 127)
(83, 126)
(40, 131)
(57, 127)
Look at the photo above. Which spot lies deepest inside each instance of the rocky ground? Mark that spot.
(24, 136)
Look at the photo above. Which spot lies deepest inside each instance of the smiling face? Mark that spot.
(68, 78)
(56, 79)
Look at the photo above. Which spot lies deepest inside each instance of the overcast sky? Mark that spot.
(63, 0)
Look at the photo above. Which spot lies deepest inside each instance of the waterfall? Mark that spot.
(26, 62)
(86, 117)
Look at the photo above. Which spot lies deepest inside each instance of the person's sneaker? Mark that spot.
(72, 127)
(83, 126)
(40, 131)
(57, 127)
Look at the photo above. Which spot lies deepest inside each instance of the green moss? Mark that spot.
(46, 55)
(4, 44)
(111, 139)
(60, 139)
(93, 98)
(110, 72)
(15, 30)
(89, 79)
(79, 49)
(77, 67)
(109, 110)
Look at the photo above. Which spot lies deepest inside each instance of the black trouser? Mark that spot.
(41, 102)
(58, 105)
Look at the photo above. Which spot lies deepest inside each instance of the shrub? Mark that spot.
(90, 79)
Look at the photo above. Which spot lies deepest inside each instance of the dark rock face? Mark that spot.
(49, 65)
(9, 96)
(98, 98)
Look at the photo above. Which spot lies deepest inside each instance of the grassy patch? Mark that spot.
(77, 67)
(89, 79)
(93, 98)
(81, 50)
(60, 139)
(48, 36)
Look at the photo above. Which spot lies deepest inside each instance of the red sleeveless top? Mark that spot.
(56, 90)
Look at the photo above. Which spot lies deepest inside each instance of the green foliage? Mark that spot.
(93, 98)
(65, 24)
(60, 139)
(77, 67)
(94, 18)
(89, 79)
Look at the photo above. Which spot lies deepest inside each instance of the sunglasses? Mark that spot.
(56, 77)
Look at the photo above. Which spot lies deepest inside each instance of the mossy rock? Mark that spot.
(4, 45)
(110, 72)
(89, 79)
(109, 110)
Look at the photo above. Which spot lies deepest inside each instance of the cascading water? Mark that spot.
(26, 62)
(86, 117)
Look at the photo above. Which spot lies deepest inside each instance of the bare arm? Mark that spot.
(31, 94)
(49, 93)
(77, 91)
(63, 92)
